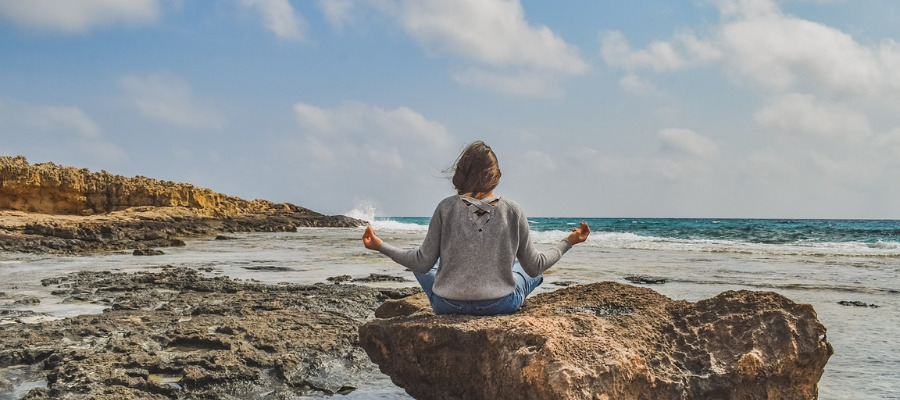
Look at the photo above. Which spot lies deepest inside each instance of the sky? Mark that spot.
(652, 108)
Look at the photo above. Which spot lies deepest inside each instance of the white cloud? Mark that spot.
(338, 13)
(658, 56)
(887, 146)
(785, 52)
(104, 152)
(687, 142)
(508, 54)
(78, 16)
(683, 50)
(388, 158)
(636, 85)
(167, 98)
(539, 161)
(799, 113)
(54, 117)
(757, 41)
(493, 32)
(364, 122)
(355, 131)
(522, 84)
(280, 18)
(68, 128)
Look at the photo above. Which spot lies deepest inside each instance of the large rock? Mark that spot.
(605, 341)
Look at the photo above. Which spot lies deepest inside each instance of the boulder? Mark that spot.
(605, 341)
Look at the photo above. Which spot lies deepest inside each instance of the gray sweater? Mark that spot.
(477, 242)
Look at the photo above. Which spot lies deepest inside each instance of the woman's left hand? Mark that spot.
(371, 241)
(579, 234)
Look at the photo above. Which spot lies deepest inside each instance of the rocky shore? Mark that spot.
(179, 333)
(46, 208)
(174, 333)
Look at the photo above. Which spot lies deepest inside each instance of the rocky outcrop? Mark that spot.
(175, 334)
(605, 341)
(47, 188)
(49, 208)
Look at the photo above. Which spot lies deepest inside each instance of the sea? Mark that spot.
(848, 270)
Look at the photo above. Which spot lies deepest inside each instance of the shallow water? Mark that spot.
(864, 365)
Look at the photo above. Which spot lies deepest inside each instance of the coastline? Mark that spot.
(311, 255)
(165, 331)
(47, 208)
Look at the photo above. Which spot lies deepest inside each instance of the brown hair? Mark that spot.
(476, 169)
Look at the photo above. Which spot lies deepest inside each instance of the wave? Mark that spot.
(368, 211)
(390, 224)
(364, 210)
(631, 241)
(884, 245)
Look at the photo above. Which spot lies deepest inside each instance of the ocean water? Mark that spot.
(820, 262)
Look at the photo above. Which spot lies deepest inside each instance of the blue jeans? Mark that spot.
(504, 305)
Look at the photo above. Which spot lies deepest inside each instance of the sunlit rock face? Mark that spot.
(49, 208)
(48, 188)
(605, 341)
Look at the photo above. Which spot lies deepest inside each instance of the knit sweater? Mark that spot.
(477, 242)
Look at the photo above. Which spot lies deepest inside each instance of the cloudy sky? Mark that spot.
(652, 108)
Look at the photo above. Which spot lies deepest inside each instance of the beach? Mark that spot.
(853, 286)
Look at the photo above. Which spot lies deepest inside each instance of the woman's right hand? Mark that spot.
(579, 234)
(371, 241)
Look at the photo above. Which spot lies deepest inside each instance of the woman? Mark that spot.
(477, 257)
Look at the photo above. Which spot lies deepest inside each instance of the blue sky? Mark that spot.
(704, 108)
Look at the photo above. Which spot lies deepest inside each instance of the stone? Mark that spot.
(380, 278)
(856, 303)
(646, 279)
(605, 341)
(147, 252)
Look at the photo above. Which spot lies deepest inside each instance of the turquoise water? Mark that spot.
(873, 234)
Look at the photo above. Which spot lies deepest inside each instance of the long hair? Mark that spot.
(476, 169)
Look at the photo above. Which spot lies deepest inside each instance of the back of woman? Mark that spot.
(477, 256)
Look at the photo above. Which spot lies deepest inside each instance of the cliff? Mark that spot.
(48, 188)
(50, 208)
(605, 341)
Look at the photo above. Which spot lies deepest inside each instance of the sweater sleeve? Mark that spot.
(534, 262)
(422, 258)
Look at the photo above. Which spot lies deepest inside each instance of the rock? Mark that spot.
(52, 189)
(380, 278)
(856, 303)
(27, 301)
(339, 278)
(46, 208)
(225, 237)
(646, 279)
(605, 341)
(147, 252)
(268, 268)
(178, 334)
